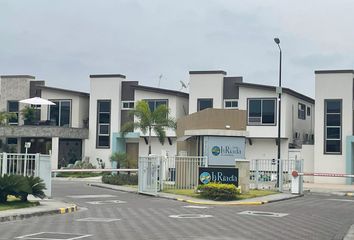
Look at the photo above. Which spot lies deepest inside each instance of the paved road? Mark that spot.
(142, 217)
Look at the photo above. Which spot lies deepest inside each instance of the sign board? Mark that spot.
(222, 151)
(219, 175)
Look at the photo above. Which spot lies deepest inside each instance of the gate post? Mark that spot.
(256, 173)
(4, 163)
(280, 189)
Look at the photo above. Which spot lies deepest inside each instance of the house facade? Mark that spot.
(214, 89)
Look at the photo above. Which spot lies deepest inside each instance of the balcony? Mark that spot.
(43, 131)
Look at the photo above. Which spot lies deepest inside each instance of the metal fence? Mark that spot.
(20, 164)
(28, 165)
(180, 172)
(263, 173)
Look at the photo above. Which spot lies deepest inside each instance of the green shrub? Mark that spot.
(20, 186)
(121, 179)
(218, 191)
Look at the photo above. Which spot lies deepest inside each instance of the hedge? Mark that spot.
(120, 179)
(218, 191)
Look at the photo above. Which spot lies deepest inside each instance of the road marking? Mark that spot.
(197, 207)
(105, 202)
(97, 219)
(53, 236)
(341, 200)
(190, 216)
(263, 214)
(91, 196)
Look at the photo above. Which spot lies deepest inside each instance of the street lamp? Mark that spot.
(279, 91)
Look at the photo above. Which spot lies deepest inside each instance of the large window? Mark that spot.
(155, 103)
(60, 113)
(103, 123)
(333, 126)
(204, 103)
(12, 107)
(261, 111)
(230, 103)
(301, 112)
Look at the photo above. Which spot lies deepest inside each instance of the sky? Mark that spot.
(64, 41)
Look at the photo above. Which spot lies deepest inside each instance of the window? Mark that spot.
(204, 103)
(60, 113)
(12, 107)
(11, 141)
(308, 111)
(103, 123)
(333, 126)
(127, 105)
(155, 103)
(230, 104)
(301, 111)
(261, 111)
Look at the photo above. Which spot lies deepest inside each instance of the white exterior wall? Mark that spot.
(79, 106)
(108, 88)
(157, 147)
(332, 86)
(265, 149)
(205, 86)
(175, 104)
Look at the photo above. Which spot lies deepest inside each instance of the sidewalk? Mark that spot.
(336, 189)
(250, 201)
(46, 207)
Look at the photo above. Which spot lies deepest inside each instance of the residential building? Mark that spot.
(334, 125)
(258, 104)
(57, 130)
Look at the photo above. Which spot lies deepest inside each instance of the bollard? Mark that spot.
(296, 183)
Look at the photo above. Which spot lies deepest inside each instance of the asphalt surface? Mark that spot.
(142, 217)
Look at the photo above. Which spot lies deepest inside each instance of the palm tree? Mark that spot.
(150, 121)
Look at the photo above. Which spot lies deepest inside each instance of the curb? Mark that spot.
(17, 217)
(114, 189)
(342, 194)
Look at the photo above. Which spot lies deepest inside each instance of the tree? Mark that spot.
(5, 117)
(148, 121)
(120, 158)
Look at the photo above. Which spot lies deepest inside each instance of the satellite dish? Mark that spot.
(183, 85)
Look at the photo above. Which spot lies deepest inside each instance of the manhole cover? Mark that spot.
(265, 214)
(190, 216)
(98, 219)
(105, 202)
(53, 236)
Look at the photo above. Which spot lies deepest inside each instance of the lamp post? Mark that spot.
(279, 91)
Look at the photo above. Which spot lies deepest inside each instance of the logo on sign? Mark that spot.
(205, 177)
(215, 150)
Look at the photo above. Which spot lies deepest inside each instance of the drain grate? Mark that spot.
(264, 214)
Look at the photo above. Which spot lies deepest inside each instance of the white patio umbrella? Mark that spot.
(37, 101)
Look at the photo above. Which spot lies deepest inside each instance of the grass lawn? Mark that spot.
(14, 203)
(192, 193)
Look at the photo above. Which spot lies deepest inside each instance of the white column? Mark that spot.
(55, 152)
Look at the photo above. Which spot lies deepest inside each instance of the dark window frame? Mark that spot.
(308, 111)
(325, 127)
(10, 121)
(155, 100)
(129, 103)
(198, 103)
(275, 112)
(59, 109)
(98, 124)
(230, 101)
(301, 113)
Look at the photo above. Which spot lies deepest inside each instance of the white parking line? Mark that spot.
(98, 220)
(33, 236)
(105, 202)
(190, 216)
(91, 196)
(263, 214)
(341, 200)
(197, 207)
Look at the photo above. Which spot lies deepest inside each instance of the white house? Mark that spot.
(334, 125)
(214, 89)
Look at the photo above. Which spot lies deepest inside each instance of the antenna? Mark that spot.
(160, 77)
